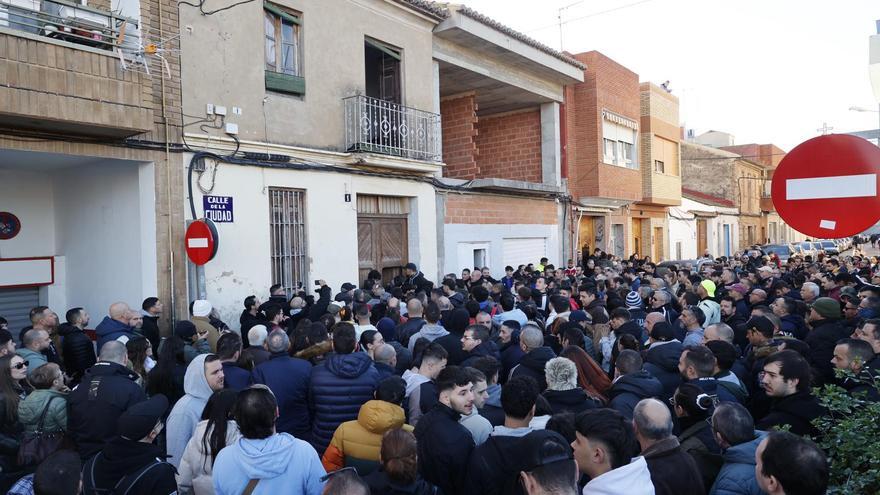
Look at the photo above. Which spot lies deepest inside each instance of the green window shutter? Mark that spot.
(285, 83)
(282, 14)
(386, 49)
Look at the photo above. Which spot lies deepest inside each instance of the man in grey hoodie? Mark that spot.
(204, 376)
(432, 329)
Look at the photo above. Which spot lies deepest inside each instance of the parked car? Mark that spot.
(784, 251)
(830, 247)
(807, 248)
(817, 246)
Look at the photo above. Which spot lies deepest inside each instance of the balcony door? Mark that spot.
(382, 70)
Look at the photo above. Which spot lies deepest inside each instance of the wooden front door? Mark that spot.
(701, 237)
(657, 251)
(382, 246)
(636, 247)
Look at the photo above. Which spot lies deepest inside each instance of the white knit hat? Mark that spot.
(202, 308)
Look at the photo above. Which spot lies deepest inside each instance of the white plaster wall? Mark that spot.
(100, 229)
(243, 266)
(684, 231)
(30, 197)
(493, 235)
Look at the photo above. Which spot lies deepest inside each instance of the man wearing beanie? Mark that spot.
(826, 329)
(131, 463)
(194, 343)
(200, 311)
(636, 308)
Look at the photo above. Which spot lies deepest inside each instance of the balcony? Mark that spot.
(60, 72)
(378, 126)
(70, 22)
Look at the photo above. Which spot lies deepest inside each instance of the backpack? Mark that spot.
(124, 485)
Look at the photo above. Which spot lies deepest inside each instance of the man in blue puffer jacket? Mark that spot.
(114, 325)
(340, 386)
(735, 433)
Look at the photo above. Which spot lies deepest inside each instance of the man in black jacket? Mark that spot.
(152, 307)
(531, 341)
(786, 379)
(673, 470)
(445, 445)
(251, 315)
(826, 330)
(77, 348)
(131, 463)
(106, 391)
(415, 279)
(494, 465)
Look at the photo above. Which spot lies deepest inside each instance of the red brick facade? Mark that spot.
(503, 146)
(459, 121)
(610, 86)
(510, 146)
(486, 209)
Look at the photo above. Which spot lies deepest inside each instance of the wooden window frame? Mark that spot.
(275, 77)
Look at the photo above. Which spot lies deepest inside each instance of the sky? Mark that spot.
(766, 71)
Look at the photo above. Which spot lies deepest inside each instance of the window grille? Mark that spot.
(287, 226)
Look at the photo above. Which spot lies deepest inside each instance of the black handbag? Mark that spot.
(37, 445)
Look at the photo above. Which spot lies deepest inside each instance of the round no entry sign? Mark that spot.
(827, 186)
(201, 241)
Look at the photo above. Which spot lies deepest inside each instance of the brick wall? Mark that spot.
(510, 146)
(459, 127)
(486, 209)
(607, 85)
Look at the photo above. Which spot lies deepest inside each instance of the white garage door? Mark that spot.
(524, 250)
(16, 305)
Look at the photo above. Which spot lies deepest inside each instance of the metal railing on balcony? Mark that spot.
(70, 22)
(378, 126)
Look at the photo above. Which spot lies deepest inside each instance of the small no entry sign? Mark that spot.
(827, 187)
(201, 241)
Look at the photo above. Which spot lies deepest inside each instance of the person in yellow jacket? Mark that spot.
(357, 443)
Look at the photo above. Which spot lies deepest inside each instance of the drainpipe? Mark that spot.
(172, 301)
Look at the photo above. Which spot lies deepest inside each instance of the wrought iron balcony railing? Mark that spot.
(69, 21)
(378, 126)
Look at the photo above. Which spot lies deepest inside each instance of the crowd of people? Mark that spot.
(604, 377)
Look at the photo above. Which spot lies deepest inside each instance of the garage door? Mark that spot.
(16, 305)
(524, 250)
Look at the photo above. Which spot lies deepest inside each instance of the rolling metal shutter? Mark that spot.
(16, 305)
(524, 250)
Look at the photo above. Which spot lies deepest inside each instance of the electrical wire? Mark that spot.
(201, 6)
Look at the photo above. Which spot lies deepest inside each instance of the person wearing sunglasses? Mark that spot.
(14, 388)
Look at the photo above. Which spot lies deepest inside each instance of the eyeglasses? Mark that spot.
(21, 365)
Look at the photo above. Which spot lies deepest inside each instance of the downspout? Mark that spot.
(167, 176)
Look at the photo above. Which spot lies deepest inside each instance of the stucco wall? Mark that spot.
(223, 64)
(243, 266)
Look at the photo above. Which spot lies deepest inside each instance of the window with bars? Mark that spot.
(283, 46)
(287, 232)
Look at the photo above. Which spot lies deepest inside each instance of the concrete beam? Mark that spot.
(477, 62)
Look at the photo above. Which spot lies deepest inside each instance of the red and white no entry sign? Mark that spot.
(827, 186)
(201, 241)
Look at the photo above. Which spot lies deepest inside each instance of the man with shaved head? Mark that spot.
(673, 471)
(115, 326)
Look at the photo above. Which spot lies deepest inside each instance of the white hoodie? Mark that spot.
(631, 479)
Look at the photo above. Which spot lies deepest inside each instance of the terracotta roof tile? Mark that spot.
(703, 198)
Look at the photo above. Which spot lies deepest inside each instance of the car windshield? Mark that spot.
(806, 245)
(828, 244)
(778, 249)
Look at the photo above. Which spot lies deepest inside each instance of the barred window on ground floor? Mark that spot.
(287, 232)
